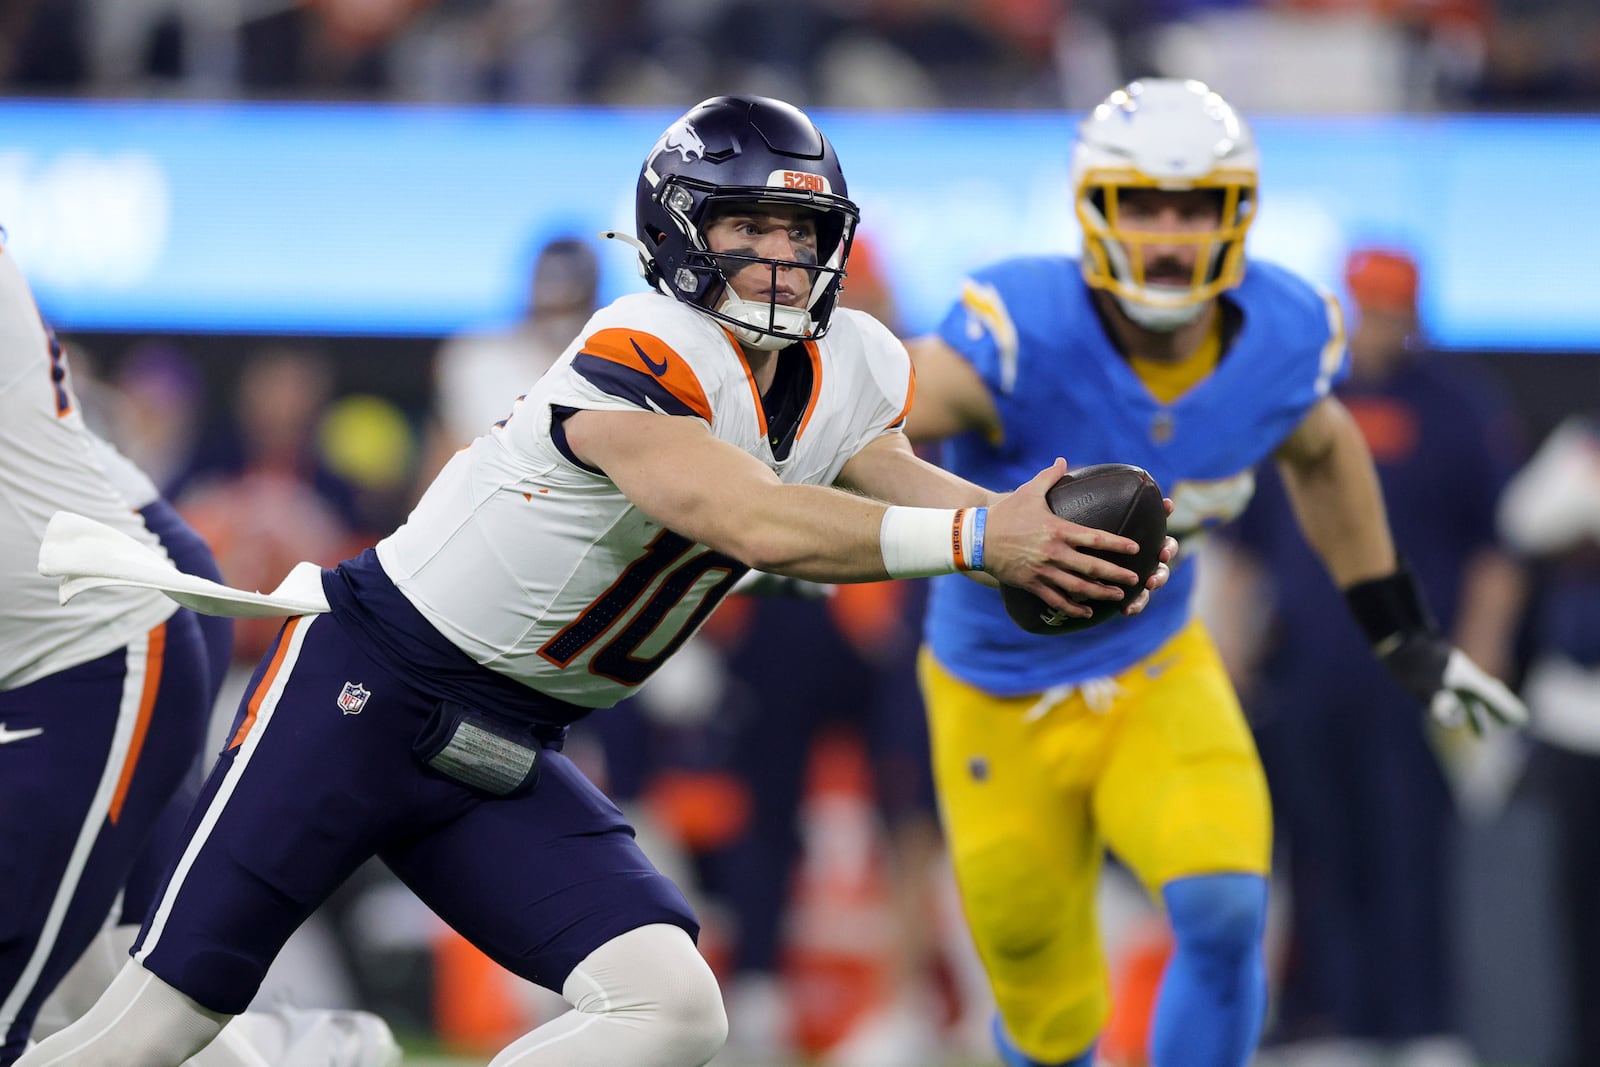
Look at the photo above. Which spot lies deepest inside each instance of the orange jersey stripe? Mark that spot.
(911, 392)
(645, 352)
(749, 379)
(267, 678)
(153, 658)
(816, 386)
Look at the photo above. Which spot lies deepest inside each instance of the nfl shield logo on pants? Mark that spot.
(353, 698)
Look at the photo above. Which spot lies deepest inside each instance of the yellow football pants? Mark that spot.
(1156, 763)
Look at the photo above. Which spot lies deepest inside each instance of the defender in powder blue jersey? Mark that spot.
(1159, 347)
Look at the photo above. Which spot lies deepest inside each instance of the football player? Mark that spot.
(732, 418)
(103, 703)
(1157, 347)
(280, 1036)
(103, 707)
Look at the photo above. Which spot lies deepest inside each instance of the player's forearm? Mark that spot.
(827, 535)
(802, 531)
(1339, 504)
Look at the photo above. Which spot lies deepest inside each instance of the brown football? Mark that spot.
(1118, 497)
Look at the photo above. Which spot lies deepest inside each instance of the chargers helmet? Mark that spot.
(733, 149)
(1173, 134)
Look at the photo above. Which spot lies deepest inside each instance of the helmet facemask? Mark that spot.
(1174, 136)
(703, 277)
(1114, 253)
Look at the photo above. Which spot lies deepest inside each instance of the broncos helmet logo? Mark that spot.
(681, 138)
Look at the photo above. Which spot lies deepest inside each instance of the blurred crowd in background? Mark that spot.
(1279, 54)
(801, 819)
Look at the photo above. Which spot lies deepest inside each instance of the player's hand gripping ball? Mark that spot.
(1118, 497)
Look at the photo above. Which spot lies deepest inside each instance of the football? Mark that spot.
(1118, 497)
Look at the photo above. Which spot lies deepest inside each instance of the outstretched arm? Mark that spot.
(1334, 489)
(674, 470)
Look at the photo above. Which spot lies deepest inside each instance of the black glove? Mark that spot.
(1405, 639)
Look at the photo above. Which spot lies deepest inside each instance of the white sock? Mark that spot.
(139, 1021)
(643, 999)
(284, 1038)
(297, 1037)
(89, 977)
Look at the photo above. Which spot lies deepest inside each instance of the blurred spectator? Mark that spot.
(1551, 512)
(462, 50)
(859, 648)
(478, 376)
(42, 44)
(1318, 55)
(279, 400)
(156, 420)
(266, 498)
(368, 443)
(320, 47)
(1543, 54)
(1363, 805)
(1442, 42)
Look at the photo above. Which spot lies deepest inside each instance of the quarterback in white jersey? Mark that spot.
(733, 419)
(533, 609)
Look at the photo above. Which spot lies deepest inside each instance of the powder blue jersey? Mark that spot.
(1061, 388)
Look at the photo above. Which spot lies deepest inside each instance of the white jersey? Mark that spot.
(50, 462)
(131, 483)
(538, 567)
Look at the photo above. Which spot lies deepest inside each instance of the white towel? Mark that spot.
(86, 554)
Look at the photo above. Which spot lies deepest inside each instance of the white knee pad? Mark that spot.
(139, 1021)
(643, 999)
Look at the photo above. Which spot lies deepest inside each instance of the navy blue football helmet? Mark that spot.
(733, 149)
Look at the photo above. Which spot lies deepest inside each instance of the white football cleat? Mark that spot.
(297, 1037)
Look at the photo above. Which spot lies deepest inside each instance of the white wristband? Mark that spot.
(918, 542)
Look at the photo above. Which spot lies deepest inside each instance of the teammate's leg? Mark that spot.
(303, 794)
(102, 746)
(140, 1021)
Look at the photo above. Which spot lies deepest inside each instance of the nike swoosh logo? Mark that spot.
(658, 369)
(8, 736)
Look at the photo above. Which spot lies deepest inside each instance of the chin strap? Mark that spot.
(750, 321)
